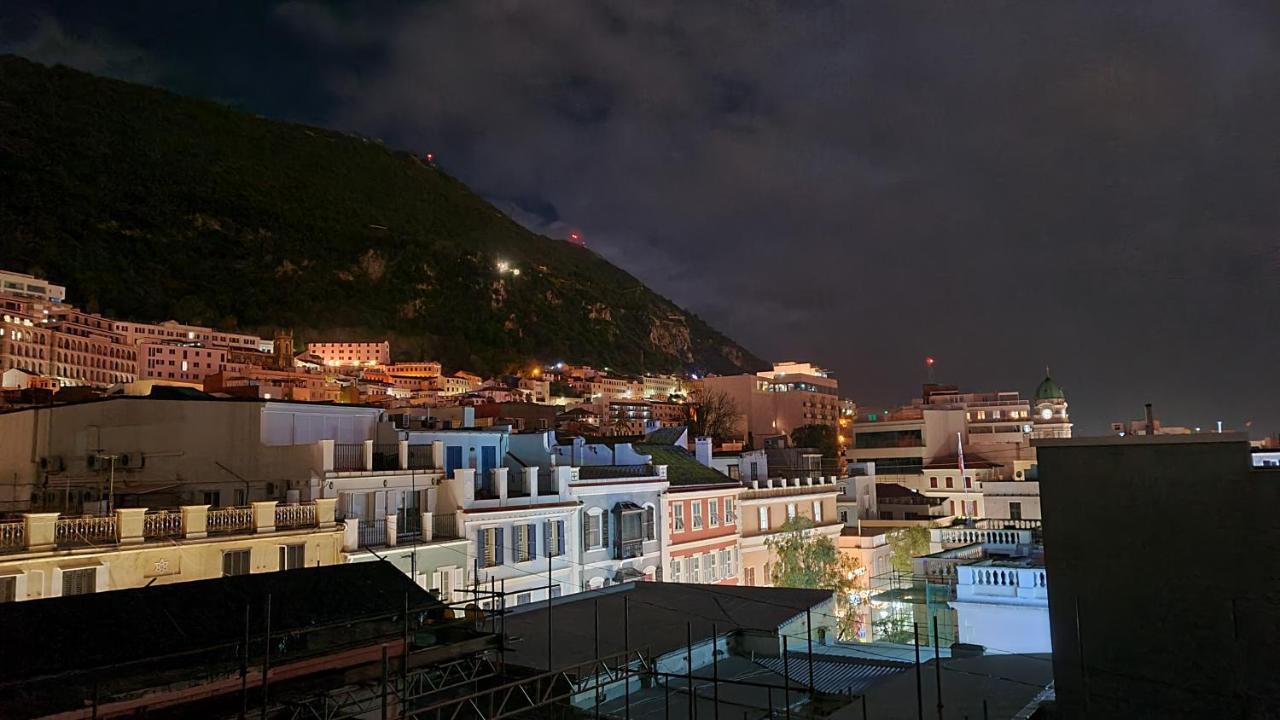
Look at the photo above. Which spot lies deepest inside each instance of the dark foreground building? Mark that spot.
(330, 639)
(1165, 592)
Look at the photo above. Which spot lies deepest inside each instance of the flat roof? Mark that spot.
(660, 618)
(1105, 440)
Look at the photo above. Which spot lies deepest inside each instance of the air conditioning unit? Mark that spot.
(95, 462)
(53, 464)
(133, 460)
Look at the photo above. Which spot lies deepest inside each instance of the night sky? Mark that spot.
(1002, 185)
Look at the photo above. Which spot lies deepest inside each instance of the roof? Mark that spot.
(682, 467)
(1049, 390)
(833, 674)
(665, 436)
(125, 625)
(660, 617)
(186, 634)
(894, 491)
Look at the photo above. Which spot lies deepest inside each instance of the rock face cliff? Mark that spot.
(152, 206)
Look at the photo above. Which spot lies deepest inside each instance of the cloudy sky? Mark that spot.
(1002, 185)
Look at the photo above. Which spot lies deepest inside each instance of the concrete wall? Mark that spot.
(187, 448)
(1161, 547)
(1004, 628)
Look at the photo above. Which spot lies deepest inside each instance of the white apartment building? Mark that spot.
(1003, 605)
(174, 331)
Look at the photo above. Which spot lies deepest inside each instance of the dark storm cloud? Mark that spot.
(1000, 184)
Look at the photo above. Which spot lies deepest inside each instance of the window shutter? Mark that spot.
(500, 556)
(559, 549)
(480, 550)
(532, 533)
(546, 533)
(604, 533)
(586, 531)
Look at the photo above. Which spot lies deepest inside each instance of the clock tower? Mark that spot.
(1049, 415)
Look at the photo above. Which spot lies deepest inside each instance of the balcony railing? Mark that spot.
(372, 533)
(420, 457)
(295, 516)
(632, 548)
(386, 457)
(160, 524)
(348, 457)
(408, 523)
(12, 536)
(444, 526)
(85, 530)
(224, 521)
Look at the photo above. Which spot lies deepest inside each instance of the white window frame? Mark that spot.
(713, 566)
(677, 516)
(817, 511)
(791, 511)
(713, 512)
(695, 569)
(762, 514)
(595, 530)
(695, 514)
(675, 570)
(729, 516)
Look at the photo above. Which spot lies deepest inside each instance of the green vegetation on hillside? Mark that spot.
(152, 206)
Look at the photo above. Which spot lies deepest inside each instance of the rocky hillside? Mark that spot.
(152, 206)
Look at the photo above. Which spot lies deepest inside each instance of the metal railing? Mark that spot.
(85, 530)
(421, 458)
(159, 524)
(295, 516)
(372, 533)
(224, 521)
(348, 456)
(13, 536)
(386, 456)
(444, 526)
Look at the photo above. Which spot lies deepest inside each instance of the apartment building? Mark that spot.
(701, 514)
(174, 331)
(777, 401)
(182, 362)
(768, 506)
(30, 287)
(45, 555)
(352, 354)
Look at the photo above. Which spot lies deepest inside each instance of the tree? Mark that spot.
(717, 416)
(805, 560)
(907, 543)
(820, 437)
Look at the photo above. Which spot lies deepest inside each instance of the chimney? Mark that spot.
(1151, 423)
(703, 450)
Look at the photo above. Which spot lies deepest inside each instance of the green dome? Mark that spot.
(1049, 390)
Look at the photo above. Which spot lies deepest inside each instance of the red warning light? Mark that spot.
(430, 157)
(928, 361)
(576, 238)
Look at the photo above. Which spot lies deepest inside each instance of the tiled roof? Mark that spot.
(682, 467)
(665, 436)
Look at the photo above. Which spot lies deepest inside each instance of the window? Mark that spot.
(489, 546)
(750, 574)
(293, 557)
(725, 570)
(1015, 511)
(763, 514)
(729, 516)
(677, 516)
(791, 511)
(212, 498)
(713, 567)
(732, 472)
(555, 591)
(968, 481)
(8, 588)
(524, 598)
(553, 533)
(817, 511)
(649, 520)
(933, 482)
(694, 571)
(444, 584)
(755, 470)
(675, 571)
(235, 562)
(844, 516)
(714, 505)
(526, 542)
(951, 505)
(593, 530)
(696, 507)
(241, 500)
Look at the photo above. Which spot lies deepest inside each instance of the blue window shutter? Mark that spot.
(480, 546)
(502, 550)
(533, 540)
(604, 533)
(560, 538)
(546, 533)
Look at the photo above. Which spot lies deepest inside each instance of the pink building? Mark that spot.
(175, 361)
(352, 354)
